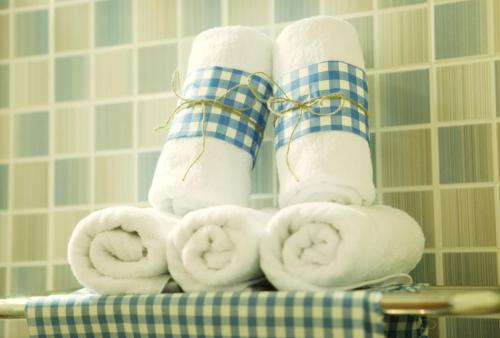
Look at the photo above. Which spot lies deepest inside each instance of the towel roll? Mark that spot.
(217, 248)
(329, 156)
(323, 246)
(122, 250)
(220, 59)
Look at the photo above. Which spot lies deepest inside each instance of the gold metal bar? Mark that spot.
(442, 303)
(434, 301)
(12, 308)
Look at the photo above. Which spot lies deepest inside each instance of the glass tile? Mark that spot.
(72, 181)
(113, 22)
(31, 33)
(31, 134)
(72, 78)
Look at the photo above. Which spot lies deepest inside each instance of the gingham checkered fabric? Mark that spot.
(317, 80)
(353, 314)
(212, 83)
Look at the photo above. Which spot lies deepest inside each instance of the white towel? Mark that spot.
(207, 184)
(217, 248)
(331, 165)
(322, 245)
(122, 250)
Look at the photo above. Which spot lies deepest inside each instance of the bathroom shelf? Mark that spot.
(431, 301)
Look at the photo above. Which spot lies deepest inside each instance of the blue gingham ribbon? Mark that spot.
(353, 314)
(215, 83)
(345, 112)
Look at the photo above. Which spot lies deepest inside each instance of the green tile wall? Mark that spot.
(28, 3)
(84, 83)
(470, 269)
(28, 280)
(71, 127)
(468, 217)
(262, 178)
(404, 98)
(113, 22)
(30, 185)
(71, 31)
(4, 224)
(64, 222)
(425, 272)
(364, 27)
(4, 37)
(497, 86)
(412, 148)
(156, 65)
(4, 86)
(32, 33)
(251, 13)
(465, 91)
(29, 83)
(460, 29)
(113, 74)
(31, 230)
(151, 113)
(111, 172)
(72, 181)
(202, 14)
(289, 10)
(473, 328)
(72, 78)
(156, 20)
(146, 169)
(31, 132)
(403, 38)
(373, 154)
(113, 126)
(3, 284)
(396, 3)
(347, 7)
(419, 205)
(64, 279)
(4, 187)
(465, 154)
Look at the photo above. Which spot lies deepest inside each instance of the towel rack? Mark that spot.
(432, 301)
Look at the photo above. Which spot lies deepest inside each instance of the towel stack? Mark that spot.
(327, 236)
(201, 233)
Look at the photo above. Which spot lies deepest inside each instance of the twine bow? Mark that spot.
(187, 103)
(274, 102)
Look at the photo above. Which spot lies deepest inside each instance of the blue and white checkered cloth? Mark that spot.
(317, 80)
(212, 83)
(352, 314)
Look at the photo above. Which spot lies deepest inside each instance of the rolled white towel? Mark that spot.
(331, 164)
(321, 246)
(217, 248)
(230, 54)
(122, 250)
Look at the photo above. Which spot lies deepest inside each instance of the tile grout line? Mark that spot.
(494, 127)
(51, 162)
(438, 256)
(377, 110)
(135, 110)
(10, 218)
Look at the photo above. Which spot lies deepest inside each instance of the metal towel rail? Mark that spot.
(432, 301)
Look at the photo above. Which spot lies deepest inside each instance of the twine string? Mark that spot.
(273, 104)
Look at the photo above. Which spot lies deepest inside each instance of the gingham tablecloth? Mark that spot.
(219, 314)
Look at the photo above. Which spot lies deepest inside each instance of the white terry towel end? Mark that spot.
(217, 248)
(122, 250)
(331, 165)
(323, 246)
